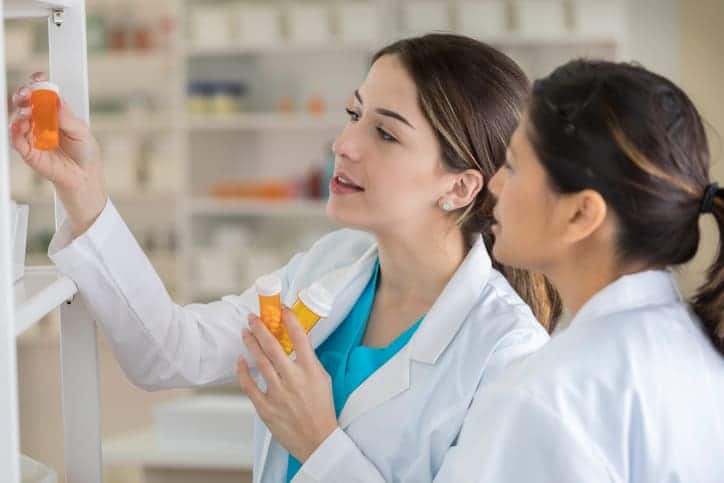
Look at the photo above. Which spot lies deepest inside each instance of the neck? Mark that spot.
(581, 276)
(418, 265)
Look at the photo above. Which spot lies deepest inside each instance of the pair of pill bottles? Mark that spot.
(45, 103)
(313, 303)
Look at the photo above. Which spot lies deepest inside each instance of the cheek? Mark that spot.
(522, 239)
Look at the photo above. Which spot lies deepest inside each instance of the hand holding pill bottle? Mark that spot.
(313, 303)
(45, 103)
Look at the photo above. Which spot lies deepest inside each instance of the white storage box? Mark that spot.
(309, 24)
(223, 423)
(540, 18)
(359, 23)
(33, 472)
(593, 17)
(259, 25)
(482, 19)
(423, 17)
(19, 237)
(210, 26)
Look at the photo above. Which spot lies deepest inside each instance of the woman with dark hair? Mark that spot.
(421, 315)
(605, 182)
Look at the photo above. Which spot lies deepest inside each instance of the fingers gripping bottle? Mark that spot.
(313, 303)
(45, 103)
(268, 289)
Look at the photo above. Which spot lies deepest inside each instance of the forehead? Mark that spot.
(389, 85)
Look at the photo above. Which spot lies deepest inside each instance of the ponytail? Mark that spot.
(708, 303)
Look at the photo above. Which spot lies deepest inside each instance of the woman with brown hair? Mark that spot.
(606, 179)
(421, 316)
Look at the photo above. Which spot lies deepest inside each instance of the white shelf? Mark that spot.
(40, 290)
(546, 41)
(244, 207)
(333, 47)
(266, 121)
(34, 471)
(146, 200)
(140, 448)
(32, 8)
(132, 123)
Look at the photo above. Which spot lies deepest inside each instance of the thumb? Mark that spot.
(70, 124)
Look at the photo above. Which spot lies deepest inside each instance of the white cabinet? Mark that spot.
(41, 289)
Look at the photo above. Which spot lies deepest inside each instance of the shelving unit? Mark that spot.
(42, 290)
(270, 121)
(33, 8)
(290, 209)
(260, 143)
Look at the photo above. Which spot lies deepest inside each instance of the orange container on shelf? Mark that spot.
(45, 102)
(253, 190)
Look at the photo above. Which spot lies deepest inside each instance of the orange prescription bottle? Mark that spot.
(313, 303)
(268, 289)
(45, 102)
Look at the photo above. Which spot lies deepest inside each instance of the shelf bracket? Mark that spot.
(58, 16)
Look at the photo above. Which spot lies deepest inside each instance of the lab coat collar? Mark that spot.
(629, 292)
(435, 333)
(452, 307)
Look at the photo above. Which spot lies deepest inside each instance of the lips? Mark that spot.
(341, 184)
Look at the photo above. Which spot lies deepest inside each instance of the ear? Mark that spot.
(586, 213)
(464, 187)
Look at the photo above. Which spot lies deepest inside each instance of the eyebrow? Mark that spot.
(385, 112)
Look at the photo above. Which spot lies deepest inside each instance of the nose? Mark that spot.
(497, 181)
(347, 144)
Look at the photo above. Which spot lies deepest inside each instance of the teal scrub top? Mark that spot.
(348, 362)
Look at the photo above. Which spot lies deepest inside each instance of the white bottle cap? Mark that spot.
(268, 285)
(45, 86)
(317, 299)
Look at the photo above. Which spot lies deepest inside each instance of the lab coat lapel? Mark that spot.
(435, 333)
(346, 284)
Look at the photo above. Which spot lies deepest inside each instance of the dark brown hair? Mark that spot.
(637, 139)
(473, 95)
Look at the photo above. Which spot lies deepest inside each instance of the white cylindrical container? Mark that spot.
(309, 24)
(596, 18)
(210, 26)
(259, 25)
(426, 16)
(482, 19)
(540, 18)
(359, 23)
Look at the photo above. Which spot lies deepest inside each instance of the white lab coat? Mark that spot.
(631, 391)
(397, 426)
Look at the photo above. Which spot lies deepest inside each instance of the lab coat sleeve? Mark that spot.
(338, 459)
(158, 343)
(509, 436)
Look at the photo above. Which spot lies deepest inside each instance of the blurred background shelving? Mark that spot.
(216, 119)
(219, 113)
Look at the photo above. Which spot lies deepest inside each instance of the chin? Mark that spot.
(346, 216)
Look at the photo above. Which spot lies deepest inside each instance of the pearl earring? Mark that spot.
(446, 205)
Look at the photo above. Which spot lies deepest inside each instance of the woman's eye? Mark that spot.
(385, 136)
(353, 116)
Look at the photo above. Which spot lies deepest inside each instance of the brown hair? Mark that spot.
(637, 139)
(473, 95)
